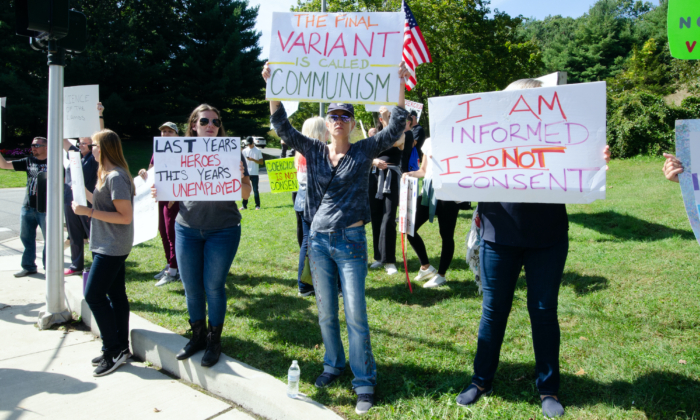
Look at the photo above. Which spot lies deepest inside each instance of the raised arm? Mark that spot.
(101, 109)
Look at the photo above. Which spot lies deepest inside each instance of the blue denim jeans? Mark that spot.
(29, 220)
(105, 294)
(204, 258)
(343, 253)
(500, 268)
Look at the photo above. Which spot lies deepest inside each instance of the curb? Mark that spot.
(248, 387)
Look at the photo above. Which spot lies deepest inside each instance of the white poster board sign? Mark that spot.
(336, 57)
(145, 209)
(290, 107)
(2, 118)
(76, 176)
(197, 168)
(410, 106)
(525, 146)
(408, 197)
(80, 115)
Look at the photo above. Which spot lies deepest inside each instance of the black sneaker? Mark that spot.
(96, 361)
(364, 403)
(110, 363)
(307, 290)
(325, 379)
(471, 394)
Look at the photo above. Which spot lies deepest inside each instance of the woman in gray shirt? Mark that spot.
(111, 236)
(337, 208)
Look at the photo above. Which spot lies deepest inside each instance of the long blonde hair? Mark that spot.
(194, 119)
(110, 150)
(314, 128)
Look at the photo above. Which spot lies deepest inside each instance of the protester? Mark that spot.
(314, 128)
(207, 234)
(33, 213)
(111, 236)
(418, 133)
(517, 235)
(384, 186)
(429, 207)
(337, 208)
(372, 132)
(254, 158)
(672, 167)
(79, 226)
(167, 212)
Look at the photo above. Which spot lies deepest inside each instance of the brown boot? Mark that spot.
(213, 351)
(197, 342)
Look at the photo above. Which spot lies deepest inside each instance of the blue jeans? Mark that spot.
(29, 220)
(343, 253)
(105, 294)
(302, 252)
(500, 268)
(204, 258)
(254, 179)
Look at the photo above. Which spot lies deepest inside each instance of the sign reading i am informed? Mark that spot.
(524, 146)
(197, 168)
(336, 57)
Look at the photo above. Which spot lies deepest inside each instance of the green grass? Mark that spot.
(12, 179)
(628, 310)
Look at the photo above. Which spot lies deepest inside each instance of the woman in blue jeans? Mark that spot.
(513, 236)
(207, 234)
(111, 236)
(337, 208)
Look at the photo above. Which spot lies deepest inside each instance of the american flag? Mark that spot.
(415, 49)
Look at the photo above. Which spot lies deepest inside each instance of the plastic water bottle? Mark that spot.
(293, 380)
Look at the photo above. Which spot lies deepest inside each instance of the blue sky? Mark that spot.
(530, 8)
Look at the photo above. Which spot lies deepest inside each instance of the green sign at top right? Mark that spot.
(684, 29)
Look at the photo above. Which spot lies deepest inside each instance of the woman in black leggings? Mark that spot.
(429, 207)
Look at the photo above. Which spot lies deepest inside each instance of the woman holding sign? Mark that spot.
(513, 236)
(207, 234)
(337, 209)
(111, 236)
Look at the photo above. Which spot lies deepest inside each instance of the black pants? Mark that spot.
(256, 193)
(383, 213)
(78, 231)
(446, 213)
(300, 228)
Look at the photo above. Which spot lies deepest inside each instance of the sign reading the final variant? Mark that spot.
(523, 146)
(336, 57)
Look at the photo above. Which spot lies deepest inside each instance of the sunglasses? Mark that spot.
(344, 118)
(36, 146)
(204, 121)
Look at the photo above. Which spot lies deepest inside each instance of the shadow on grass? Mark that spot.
(628, 228)
(400, 293)
(583, 284)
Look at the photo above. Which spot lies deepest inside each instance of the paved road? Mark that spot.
(11, 200)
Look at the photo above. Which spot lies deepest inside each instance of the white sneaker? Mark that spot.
(162, 273)
(436, 281)
(390, 269)
(167, 278)
(424, 274)
(376, 264)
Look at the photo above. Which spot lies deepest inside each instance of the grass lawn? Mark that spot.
(12, 179)
(629, 314)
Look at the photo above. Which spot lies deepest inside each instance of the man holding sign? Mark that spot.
(79, 226)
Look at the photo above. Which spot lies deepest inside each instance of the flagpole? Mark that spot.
(320, 105)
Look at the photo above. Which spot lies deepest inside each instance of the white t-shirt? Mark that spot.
(427, 150)
(254, 153)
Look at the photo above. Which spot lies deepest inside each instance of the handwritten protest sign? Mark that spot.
(336, 57)
(407, 204)
(410, 106)
(145, 209)
(529, 146)
(282, 175)
(688, 152)
(197, 168)
(76, 176)
(80, 115)
(684, 29)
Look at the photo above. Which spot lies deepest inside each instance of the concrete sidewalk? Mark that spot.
(48, 373)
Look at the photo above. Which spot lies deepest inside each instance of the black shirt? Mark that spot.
(32, 166)
(534, 225)
(419, 136)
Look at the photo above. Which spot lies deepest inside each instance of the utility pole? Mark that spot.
(320, 105)
(47, 25)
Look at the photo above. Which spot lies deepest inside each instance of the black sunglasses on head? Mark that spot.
(204, 121)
